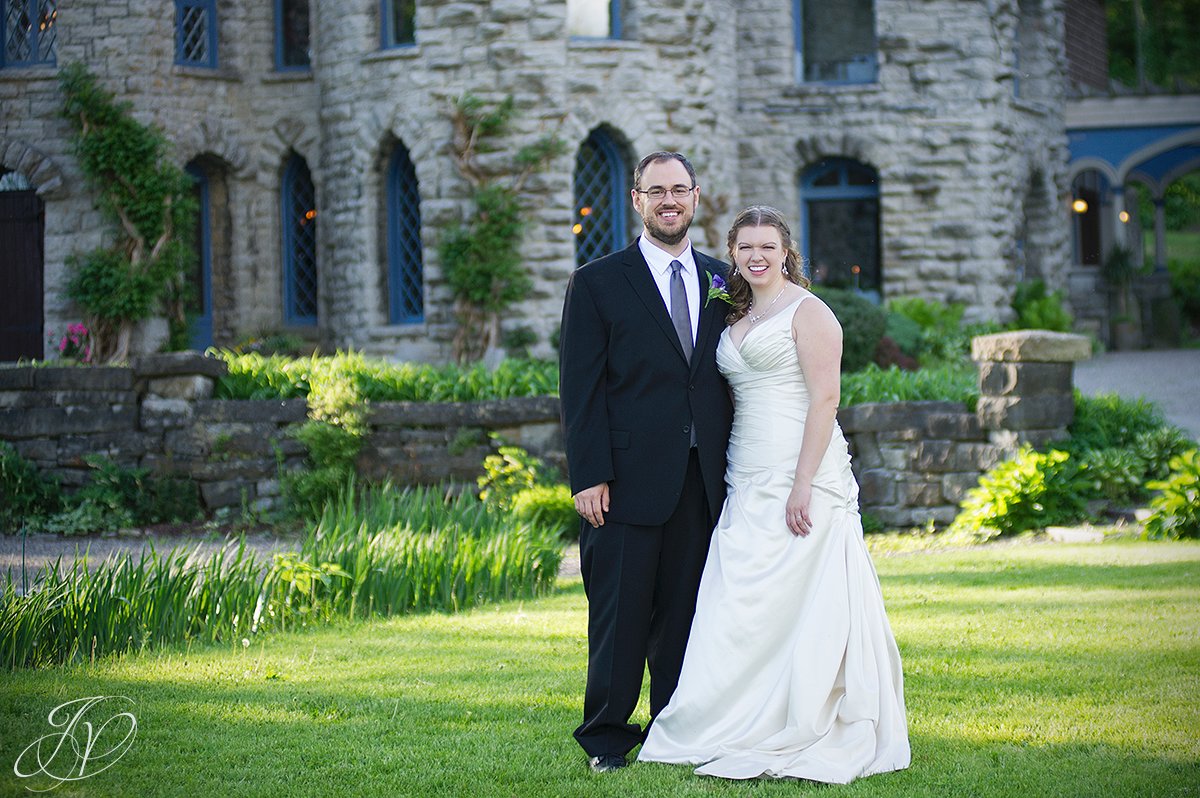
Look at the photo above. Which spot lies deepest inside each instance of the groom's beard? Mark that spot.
(674, 231)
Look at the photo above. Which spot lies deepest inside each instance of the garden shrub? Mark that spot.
(1107, 421)
(1116, 475)
(1157, 447)
(1175, 511)
(1185, 286)
(1037, 310)
(1031, 491)
(906, 333)
(547, 505)
(507, 473)
(863, 324)
(25, 494)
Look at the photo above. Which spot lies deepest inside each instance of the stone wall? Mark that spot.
(914, 460)
(971, 160)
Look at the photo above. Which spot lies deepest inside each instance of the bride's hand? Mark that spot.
(796, 509)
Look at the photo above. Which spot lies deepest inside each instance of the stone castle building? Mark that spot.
(919, 145)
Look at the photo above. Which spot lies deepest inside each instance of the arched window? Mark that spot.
(200, 306)
(292, 35)
(196, 33)
(299, 214)
(835, 42)
(601, 223)
(22, 268)
(1089, 195)
(28, 30)
(406, 303)
(840, 202)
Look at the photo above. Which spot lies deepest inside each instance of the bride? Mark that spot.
(791, 669)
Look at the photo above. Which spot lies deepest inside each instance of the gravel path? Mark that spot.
(1170, 378)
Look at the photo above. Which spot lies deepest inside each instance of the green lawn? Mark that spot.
(1032, 670)
(1181, 245)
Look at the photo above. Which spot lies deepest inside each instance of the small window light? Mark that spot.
(1079, 206)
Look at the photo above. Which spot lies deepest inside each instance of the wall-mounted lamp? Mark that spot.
(1079, 206)
(1124, 217)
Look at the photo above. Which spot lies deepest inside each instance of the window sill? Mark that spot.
(207, 73)
(1032, 107)
(26, 73)
(810, 89)
(402, 53)
(288, 76)
(591, 43)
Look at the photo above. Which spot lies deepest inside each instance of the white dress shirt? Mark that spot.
(659, 261)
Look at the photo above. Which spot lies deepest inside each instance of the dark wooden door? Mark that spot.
(22, 218)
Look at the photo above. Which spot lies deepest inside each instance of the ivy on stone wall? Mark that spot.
(148, 201)
(481, 257)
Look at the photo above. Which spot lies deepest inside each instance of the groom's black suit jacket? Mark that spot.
(629, 395)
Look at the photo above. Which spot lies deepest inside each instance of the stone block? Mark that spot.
(226, 493)
(1025, 412)
(956, 485)
(158, 414)
(877, 486)
(896, 457)
(866, 450)
(278, 411)
(44, 450)
(934, 456)
(1041, 346)
(940, 516)
(953, 426)
(83, 378)
(121, 446)
(891, 416)
(496, 413)
(243, 470)
(976, 456)
(1025, 379)
(174, 364)
(16, 379)
(181, 387)
(919, 493)
(1009, 441)
(86, 398)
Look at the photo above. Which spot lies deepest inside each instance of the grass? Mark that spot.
(1031, 670)
(1181, 245)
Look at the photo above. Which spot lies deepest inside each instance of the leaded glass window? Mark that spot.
(292, 34)
(299, 244)
(406, 303)
(399, 26)
(840, 201)
(28, 29)
(601, 223)
(196, 32)
(835, 42)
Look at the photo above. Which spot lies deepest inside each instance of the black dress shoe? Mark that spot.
(607, 762)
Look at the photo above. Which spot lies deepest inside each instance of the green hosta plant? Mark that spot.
(1175, 511)
(1031, 491)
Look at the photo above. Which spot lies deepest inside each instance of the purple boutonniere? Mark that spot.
(716, 289)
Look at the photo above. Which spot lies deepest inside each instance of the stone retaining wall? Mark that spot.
(914, 460)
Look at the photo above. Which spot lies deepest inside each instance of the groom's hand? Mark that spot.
(592, 504)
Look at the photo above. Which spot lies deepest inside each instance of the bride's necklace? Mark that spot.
(753, 318)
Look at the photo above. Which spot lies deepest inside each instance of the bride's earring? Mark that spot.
(785, 271)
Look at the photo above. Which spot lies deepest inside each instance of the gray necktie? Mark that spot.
(680, 317)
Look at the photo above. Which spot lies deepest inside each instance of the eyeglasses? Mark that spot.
(658, 192)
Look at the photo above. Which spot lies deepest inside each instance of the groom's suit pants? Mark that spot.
(641, 584)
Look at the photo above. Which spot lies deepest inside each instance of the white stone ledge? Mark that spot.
(207, 73)
(392, 54)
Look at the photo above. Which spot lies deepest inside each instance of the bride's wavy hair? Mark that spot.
(740, 295)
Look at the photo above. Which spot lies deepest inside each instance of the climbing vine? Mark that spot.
(147, 199)
(481, 256)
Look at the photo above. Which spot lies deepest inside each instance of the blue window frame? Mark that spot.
(399, 18)
(835, 42)
(299, 215)
(601, 223)
(28, 31)
(292, 36)
(406, 301)
(839, 198)
(196, 33)
(594, 19)
(200, 307)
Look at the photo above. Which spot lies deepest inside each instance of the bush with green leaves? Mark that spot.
(506, 473)
(863, 324)
(1107, 421)
(1031, 491)
(1185, 286)
(944, 338)
(1038, 310)
(1175, 511)
(958, 382)
(547, 505)
(26, 496)
(1117, 475)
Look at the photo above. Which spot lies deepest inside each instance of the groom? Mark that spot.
(646, 416)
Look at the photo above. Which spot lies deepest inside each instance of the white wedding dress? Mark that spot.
(791, 669)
